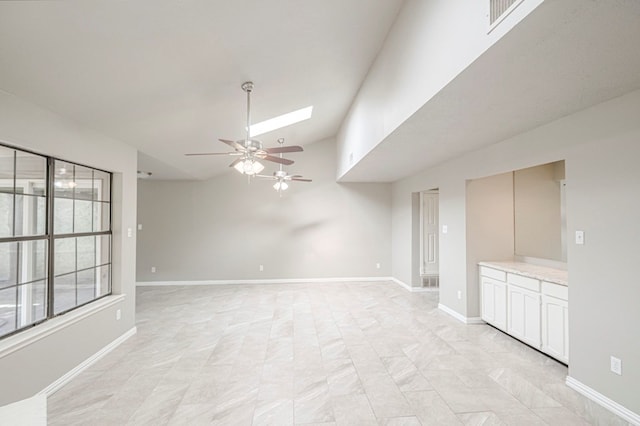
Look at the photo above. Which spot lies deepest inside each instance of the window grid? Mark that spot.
(31, 276)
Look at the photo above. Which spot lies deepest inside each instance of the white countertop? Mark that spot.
(538, 272)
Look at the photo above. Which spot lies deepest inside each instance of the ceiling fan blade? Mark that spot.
(212, 153)
(233, 144)
(279, 160)
(269, 177)
(300, 179)
(278, 150)
(239, 160)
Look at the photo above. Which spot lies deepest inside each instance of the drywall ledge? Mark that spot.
(52, 326)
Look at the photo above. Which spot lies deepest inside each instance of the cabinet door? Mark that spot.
(494, 302)
(555, 327)
(524, 315)
(500, 303)
(488, 313)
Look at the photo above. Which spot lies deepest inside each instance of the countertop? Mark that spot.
(544, 273)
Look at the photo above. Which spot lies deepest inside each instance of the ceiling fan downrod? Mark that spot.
(247, 86)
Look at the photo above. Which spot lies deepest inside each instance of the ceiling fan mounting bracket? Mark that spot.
(247, 86)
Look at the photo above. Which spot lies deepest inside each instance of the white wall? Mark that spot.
(424, 51)
(35, 366)
(224, 228)
(601, 148)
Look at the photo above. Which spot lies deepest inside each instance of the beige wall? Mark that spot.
(224, 228)
(489, 228)
(35, 366)
(537, 209)
(601, 149)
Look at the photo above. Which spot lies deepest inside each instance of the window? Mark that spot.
(55, 237)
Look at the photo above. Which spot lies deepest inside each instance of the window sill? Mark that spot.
(18, 341)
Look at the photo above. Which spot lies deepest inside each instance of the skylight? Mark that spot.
(281, 121)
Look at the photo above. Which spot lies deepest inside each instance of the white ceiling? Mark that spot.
(564, 57)
(165, 75)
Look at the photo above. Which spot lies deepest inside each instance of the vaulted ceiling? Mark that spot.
(164, 76)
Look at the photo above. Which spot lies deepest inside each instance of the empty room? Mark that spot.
(398, 212)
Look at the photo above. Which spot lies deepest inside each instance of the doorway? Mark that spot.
(429, 239)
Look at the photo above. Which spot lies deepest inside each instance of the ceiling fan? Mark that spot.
(251, 150)
(281, 177)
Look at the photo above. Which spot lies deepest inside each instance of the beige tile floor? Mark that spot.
(330, 354)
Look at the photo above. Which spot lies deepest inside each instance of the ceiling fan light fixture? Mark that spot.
(281, 121)
(281, 185)
(249, 167)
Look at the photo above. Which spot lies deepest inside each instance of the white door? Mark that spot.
(429, 246)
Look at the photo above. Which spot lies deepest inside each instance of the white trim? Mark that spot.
(413, 289)
(460, 317)
(49, 327)
(602, 400)
(269, 281)
(502, 17)
(70, 375)
(401, 284)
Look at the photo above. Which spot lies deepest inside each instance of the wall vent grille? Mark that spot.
(497, 8)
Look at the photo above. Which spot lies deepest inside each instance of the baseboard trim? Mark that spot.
(460, 317)
(413, 289)
(602, 400)
(60, 382)
(268, 281)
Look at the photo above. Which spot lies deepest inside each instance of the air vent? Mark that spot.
(500, 8)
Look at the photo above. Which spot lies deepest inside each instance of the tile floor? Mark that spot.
(330, 354)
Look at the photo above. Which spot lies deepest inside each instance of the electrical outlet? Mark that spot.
(445, 229)
(129, 232)
(153, 269)
(261, 268)
(616, 365)
(459, 295)
(139, 227)
(118, 314)
(580, 237)
(377, 265)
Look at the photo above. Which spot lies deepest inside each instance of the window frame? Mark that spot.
(49, 237)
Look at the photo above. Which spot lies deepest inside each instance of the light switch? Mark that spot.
(445, 229)
(139, 227)
(579, 237)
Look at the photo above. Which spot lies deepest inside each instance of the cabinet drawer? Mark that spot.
(524, 282)
(493, 273)
(555, 290)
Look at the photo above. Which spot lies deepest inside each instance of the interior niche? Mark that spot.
(538, 212)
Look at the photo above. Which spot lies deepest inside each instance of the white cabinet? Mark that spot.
(530, 309)
(494, 302)
(555, 321)
(524, 315)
